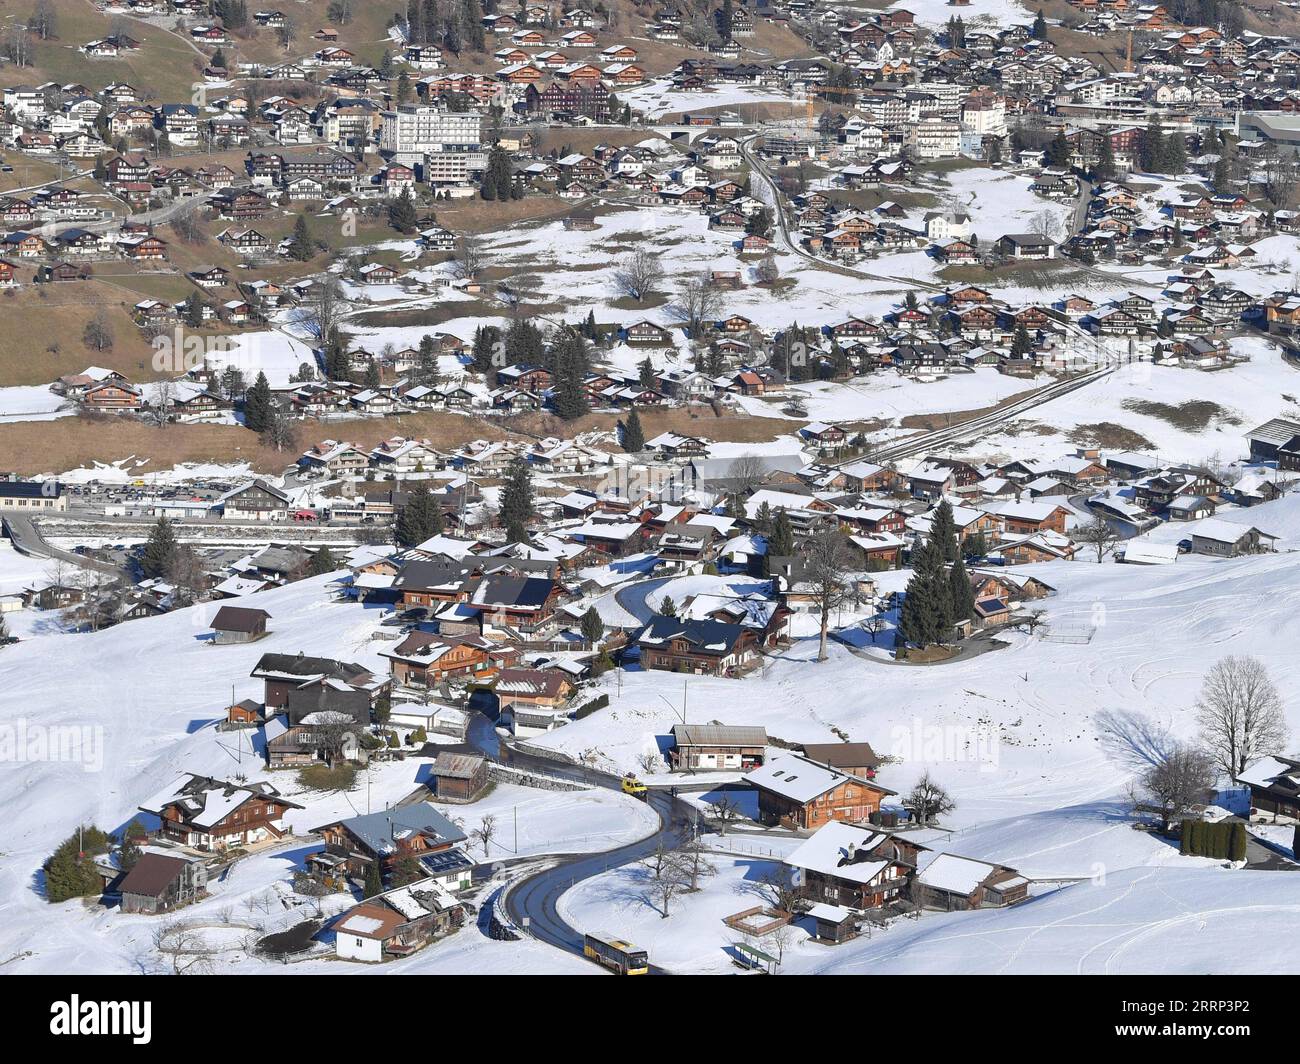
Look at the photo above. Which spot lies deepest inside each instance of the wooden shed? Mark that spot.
(459, 777)
(239, 624)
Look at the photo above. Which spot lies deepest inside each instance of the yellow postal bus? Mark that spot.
(615, 954)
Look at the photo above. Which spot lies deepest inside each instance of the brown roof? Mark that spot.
(370, 921)
(456, 766)
(545, 682)
(239, 619)
(152, 874)
(842, 755)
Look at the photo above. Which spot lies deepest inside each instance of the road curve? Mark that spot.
(533, 902)
(27, 539)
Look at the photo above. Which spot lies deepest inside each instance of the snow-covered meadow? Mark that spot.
(136, 705)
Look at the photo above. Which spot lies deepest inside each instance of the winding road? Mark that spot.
(532, 903)
(27, 539)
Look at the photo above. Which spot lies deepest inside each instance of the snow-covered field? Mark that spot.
(140, 700)
(1147, 399)
(1036, 741)
(976, 13)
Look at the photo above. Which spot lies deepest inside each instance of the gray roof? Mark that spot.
(719, 735)
(376, 830)
(719, 470)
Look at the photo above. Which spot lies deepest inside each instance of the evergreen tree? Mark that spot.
(1021, 343)
(1223, 175)
(486, 338)
(961, 593)
(257, 405)
(420, 518)
(499, 167)
(374, 882)
(1237, 842)
(780, 544)
(322, 562)
(1039, 29)
(646, 373)
(916, 620)
(667, 607)
(194, 311)
(943, 530)
(592, 627)
(977, 546)
(927, 614)
(1059, 151)
(159, 550)
(1152, 153)
(402, 214)
(1175, 154)
(128, 853)
(70, 871)
(338, 361)
(517, 500)
(301, 245)
(524, 344)
(633, 435)
(569, 371)
(426, 365)
(1104, 170)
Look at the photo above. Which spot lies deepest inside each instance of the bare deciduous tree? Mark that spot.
(44, 21)
(698, 301)
(1240, 713)
(927, 800)
(1181, 779)
(638, 275)
(745, 473)
(1099, 535)
(826, 562)
(669, 877)
(325, 308)
(696, 864)
(485, 832)
(281, 432)
(779, 889)
(186, 573)
(330, 732)
(724, 811)
(185, 948)
(469, 257)
(1032, 621)
(159, 410)
(98, 334)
